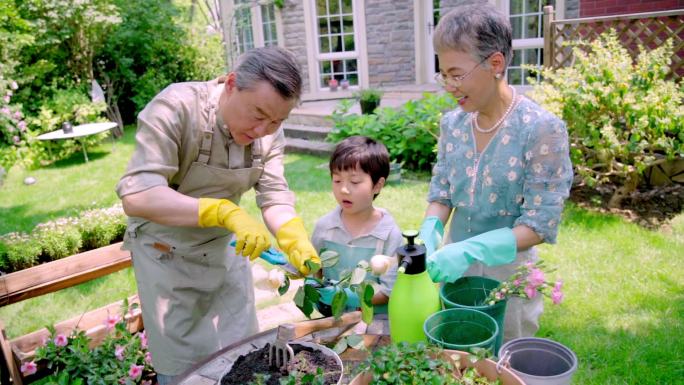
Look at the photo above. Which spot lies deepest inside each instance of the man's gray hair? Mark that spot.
(479, 29)
(275, 65)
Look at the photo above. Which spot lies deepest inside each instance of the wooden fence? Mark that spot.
(650, 30)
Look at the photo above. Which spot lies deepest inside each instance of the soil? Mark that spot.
(651, 207)
(306, 360)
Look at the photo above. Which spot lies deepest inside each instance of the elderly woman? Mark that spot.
(503, 168)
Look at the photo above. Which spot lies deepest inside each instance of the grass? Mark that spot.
(624, 285)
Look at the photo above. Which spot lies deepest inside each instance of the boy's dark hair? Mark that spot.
(370, 155)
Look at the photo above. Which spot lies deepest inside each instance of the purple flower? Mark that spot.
(148, 358)
(28, 368)
(17, 114)
(16, 139)
(143, 339)
(135, 371)
(22, 126)
(61, 340)
(5, 110)
(14, 85)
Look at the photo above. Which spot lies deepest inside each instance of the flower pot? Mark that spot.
(487, 368)
(332, 84)
(461, 329)
(368, 106)
(539, 361)
(470, 293)
(344, 84)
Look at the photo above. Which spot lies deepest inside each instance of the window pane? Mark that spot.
(323, 26)
(334, 7)
(514, 76)
(336, 43)
(532, 6)
(321, 7)
(326, 67)
(516, 7)
(348, 24)
(346, 6)
(335, 24)
(531, 56)
(351, 65)
(517, 58)
(349, 42)
(531, 26)
(353, 79)
(516, 22)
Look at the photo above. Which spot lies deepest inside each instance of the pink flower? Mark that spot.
(17, 115)
(531, 291)
(14, 85)
(146, 382)
(148, 358)
(517, 282)
(22, 126)
(28, 368)
(111, 321)
(6, 99)
(558, 285)
(536, 277)
(16, 139)
(556, 296)
(135, 371)
(61, 340)
(143, 339)
(119, 352)
(5, 111)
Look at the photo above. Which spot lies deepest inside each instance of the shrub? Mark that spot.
(62, 238)
(622, 115)
(410, 133)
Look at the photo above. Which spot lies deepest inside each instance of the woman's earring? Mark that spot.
(497, 76)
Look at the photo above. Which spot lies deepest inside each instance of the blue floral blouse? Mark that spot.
(522, 177)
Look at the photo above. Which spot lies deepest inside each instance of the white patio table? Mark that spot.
(79, 131)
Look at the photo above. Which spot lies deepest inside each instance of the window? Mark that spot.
(336, 42)
(254, 25)
(527, 21)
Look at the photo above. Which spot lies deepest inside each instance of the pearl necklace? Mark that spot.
(498, 122)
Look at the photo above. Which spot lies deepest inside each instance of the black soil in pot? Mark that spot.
(306, 360)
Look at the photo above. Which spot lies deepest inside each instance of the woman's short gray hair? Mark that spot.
(275, 65)
(479, 29)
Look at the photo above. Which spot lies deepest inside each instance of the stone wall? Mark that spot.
(390, 42)
(294, 35)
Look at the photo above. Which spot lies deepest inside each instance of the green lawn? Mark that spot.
(624, 285)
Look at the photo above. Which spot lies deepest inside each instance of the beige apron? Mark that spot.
(197, 296)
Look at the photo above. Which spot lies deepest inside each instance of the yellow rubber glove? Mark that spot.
(294, 241)
(252, 237)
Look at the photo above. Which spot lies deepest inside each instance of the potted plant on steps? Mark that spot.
(369, 99)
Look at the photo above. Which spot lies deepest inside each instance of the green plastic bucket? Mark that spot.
(470, 293)
(461, 329)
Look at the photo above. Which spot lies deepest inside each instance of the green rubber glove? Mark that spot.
(496, 247)
(431, 232)
(252, 237)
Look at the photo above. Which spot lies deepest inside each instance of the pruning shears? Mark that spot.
(276, 257)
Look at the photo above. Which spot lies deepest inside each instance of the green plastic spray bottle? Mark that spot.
(414, 296)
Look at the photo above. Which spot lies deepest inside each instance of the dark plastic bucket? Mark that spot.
(539, 361)
(470, 293)
(461, 329)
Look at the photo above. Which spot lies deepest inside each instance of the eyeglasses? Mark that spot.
(456, 81)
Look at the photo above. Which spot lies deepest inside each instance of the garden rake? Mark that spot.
(281, 352)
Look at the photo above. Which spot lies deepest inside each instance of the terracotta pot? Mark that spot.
(486, 368)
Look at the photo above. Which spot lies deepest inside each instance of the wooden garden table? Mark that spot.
(210, 370)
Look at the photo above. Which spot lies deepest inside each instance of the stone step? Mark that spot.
(310, 119)
(313, 147)
(302, 131)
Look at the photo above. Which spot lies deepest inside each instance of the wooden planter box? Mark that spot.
(54, 276)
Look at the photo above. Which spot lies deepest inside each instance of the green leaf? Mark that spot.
(313, 266)
(339, 303)
(340, 346)
(285, 287)
(312, 295)
(300, 296)
(355, 341)
(358, 275)
(329, 258)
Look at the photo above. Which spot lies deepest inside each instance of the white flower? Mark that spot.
(528, 155)
(449, 147)
(14, 85)
(442, 194)
(511, 176)
(537, 200)
(519, 198)
(379, 264)
(488, 181)
(532, 213)
(552, 223)
(544, 149)
(469, 154)
(276, 278)
(526, 118)
(505, 139)
(443, 181)
(470, 171)
(537, 167)
(464, 137)
(456, 132)
(512, 161)
(492, 197)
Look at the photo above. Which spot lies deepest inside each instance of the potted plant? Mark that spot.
(369, 99)
(332, 84)
(428, 364)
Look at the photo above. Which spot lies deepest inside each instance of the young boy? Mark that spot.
(355, 229)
